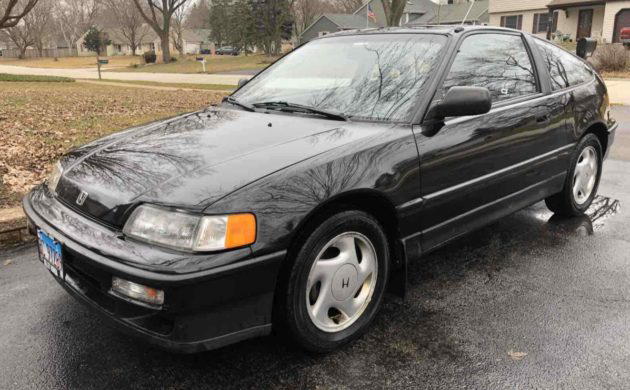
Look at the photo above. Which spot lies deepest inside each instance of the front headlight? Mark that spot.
(189, 231)
(53, 178)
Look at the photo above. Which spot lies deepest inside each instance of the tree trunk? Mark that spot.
(166, 48)
(22, 53)
(133, 47)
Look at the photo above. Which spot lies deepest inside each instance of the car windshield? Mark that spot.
(369, 77)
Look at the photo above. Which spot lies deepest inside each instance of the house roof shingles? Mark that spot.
(347, 21)
(455, 13)
(570, 3)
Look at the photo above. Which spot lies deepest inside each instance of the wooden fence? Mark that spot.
(33, 53)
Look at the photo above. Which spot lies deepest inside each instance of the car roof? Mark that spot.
(419, 29)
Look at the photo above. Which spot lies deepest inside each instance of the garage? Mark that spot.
(621, 20)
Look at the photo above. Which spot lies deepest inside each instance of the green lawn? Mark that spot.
(214, 64)
(27, 78)
(209, 87)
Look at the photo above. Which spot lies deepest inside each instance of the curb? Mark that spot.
(13, 230)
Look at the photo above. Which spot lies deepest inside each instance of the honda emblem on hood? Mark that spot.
(81, 198)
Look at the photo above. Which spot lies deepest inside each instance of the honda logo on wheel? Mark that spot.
(345, 283)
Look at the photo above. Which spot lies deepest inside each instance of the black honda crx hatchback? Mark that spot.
(297, 201)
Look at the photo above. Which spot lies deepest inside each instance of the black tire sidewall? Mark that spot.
(299, 322)
(588, 140)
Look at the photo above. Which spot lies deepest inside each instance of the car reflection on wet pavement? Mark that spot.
(533, 300)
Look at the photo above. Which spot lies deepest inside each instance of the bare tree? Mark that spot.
(38, 23)
(75, 17)
(12, 11)
(179, 25)
(129, 21)
(346, 6)
(21, 35)
(158, 14)
(199, 15)
(306, 11)
(393, 11)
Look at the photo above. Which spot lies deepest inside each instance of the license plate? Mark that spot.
(50, 253)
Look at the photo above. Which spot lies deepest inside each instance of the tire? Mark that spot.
(323, 265)
(568, 203)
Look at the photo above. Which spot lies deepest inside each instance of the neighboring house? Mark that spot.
(332, 23)
(197, 40)
(414, 10)
(417, 12)
(457, 13)
(193, 40)
(574, 19)
(148, 41)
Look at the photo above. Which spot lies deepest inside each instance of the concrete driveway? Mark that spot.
(92, 73)
(532, 301)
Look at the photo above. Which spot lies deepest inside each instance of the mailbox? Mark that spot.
(586, 47)
(103, 62)
(200, 59)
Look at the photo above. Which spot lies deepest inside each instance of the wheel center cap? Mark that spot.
(344, 282)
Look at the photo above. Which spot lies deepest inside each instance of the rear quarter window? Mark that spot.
(565, 69)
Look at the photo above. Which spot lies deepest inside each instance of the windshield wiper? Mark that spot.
(233, 101)
(292, 107)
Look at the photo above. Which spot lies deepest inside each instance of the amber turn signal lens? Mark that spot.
(241, 230)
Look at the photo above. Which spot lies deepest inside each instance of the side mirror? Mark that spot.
(459, 101)
(462, 101)
(242, 82)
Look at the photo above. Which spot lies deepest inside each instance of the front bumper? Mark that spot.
(227, 301)
(612, 130)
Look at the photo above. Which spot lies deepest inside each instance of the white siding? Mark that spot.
(497, 6)
(528, 19)
(612, 9)
(568, 21)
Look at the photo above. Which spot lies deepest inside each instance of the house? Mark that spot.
(417, 12)
(570, 19)
(194, 40)
(332, 23)
(470, 13)
(414, 9)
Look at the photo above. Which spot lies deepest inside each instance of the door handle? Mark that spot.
(546, 118)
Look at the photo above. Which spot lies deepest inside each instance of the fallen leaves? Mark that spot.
(39, 122)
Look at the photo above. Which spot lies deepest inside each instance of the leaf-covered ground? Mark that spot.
(41, 121)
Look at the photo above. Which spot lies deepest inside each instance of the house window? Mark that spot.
(512, 21)
(541, 23)
(118, 48)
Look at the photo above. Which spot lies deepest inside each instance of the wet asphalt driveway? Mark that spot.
(530, 301)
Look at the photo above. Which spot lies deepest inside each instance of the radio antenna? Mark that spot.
(467, 13)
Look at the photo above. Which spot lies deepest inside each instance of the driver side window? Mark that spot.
(498, 62)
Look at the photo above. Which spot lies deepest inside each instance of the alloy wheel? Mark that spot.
(341, 282)
(585, 175)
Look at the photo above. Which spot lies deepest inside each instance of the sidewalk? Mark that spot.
(83, 73)
(619, 91)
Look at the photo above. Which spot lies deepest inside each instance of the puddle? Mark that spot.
(592, 221)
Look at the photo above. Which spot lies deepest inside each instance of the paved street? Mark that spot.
(89, 73)
(533, 301)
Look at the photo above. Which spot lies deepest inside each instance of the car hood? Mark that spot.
(192, 160)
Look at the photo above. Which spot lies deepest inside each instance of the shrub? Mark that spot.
(173, 59)
(150, 57)
(610, 58)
